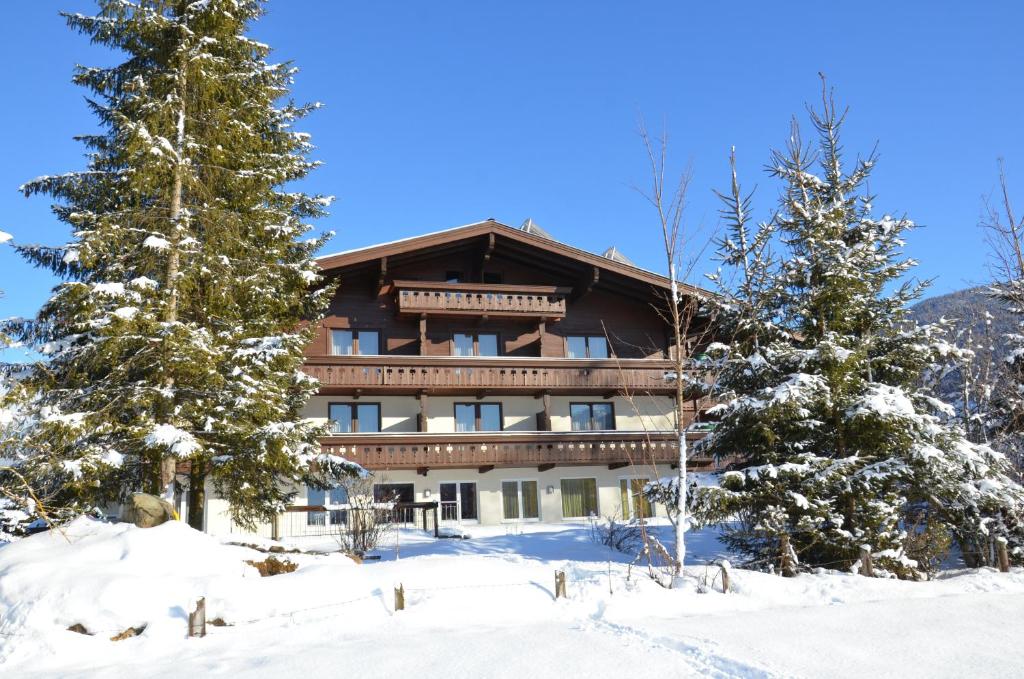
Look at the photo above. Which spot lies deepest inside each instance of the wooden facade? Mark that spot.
(531, 298)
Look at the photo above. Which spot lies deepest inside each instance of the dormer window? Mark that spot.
(586, 346)
(355, 342)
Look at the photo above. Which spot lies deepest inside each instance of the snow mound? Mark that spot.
(108, 577)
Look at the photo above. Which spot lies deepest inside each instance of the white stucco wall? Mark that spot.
(488, 491)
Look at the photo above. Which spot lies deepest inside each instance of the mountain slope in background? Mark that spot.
(968, 307)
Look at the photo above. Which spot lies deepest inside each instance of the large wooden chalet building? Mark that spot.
(503, 374)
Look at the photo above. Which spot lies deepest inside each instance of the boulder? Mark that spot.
(146, 511)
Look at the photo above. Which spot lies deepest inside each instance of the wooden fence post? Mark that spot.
(275, 527)
(400, 597)
(560, 585)
(725, 578)
(787, 558)
(867, 568)
(197, 619)
(1004, 557)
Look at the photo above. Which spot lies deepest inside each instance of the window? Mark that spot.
(586, 346)
(474, 344)
(346, 418)
(592, 416)
(318, 498)
(396, 492)
(519, 500)
(492, 278)
(452, 276)
(478, 417)
(579, 498)
(393, 492)
(355, 342)
(634, 504)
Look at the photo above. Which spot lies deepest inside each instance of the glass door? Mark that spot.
(635, 504)
(458, 501)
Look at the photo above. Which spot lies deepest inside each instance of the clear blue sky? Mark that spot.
(439, 114)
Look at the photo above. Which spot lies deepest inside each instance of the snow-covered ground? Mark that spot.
(481, 607)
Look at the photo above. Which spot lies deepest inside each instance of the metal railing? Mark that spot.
(302, 521)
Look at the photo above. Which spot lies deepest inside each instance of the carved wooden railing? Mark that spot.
(509, 449)
(512, 375)
(427, 297)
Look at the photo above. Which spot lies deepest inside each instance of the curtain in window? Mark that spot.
(465, 417)
(462, 344)
(603, 419)
(340, 416)
(510, 499)
(579, 497)
(341, 342)
(576, 347)
(531, 510)
(315, 498)
(580, 415)
(634, 503)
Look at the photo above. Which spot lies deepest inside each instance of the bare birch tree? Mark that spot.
(1004, 233)
(682, 312)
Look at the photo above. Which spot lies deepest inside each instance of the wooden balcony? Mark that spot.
(487, 450)
(480, 299)
(510, 375)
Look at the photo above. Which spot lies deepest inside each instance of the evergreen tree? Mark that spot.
(838, 447)
(179, 329)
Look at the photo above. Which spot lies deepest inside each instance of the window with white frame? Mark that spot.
(519, 500)
(355, 342)
(579, 498)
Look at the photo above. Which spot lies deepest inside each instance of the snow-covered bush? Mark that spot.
(622, 536)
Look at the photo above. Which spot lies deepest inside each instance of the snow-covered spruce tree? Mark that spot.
(178, 331)
(837, 446)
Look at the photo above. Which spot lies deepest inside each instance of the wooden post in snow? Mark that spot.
(560, 585)
(400, 597)
(1003, 555)
(725, 578)
(867, 568)
(197, 619)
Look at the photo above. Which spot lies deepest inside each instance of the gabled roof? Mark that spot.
(494, 230)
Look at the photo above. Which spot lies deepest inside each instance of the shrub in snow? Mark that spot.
(622, 536)
(367, 522)
(836, 442)
(273, 566)
(178, 330)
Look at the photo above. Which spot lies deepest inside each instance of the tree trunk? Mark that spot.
(197, 495)
(174, 264)
(680, 555)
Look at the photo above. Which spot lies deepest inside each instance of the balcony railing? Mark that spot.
(425, 451)
(454, 299)
(449, 374)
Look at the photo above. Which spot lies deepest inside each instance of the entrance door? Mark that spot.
(458, 501)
